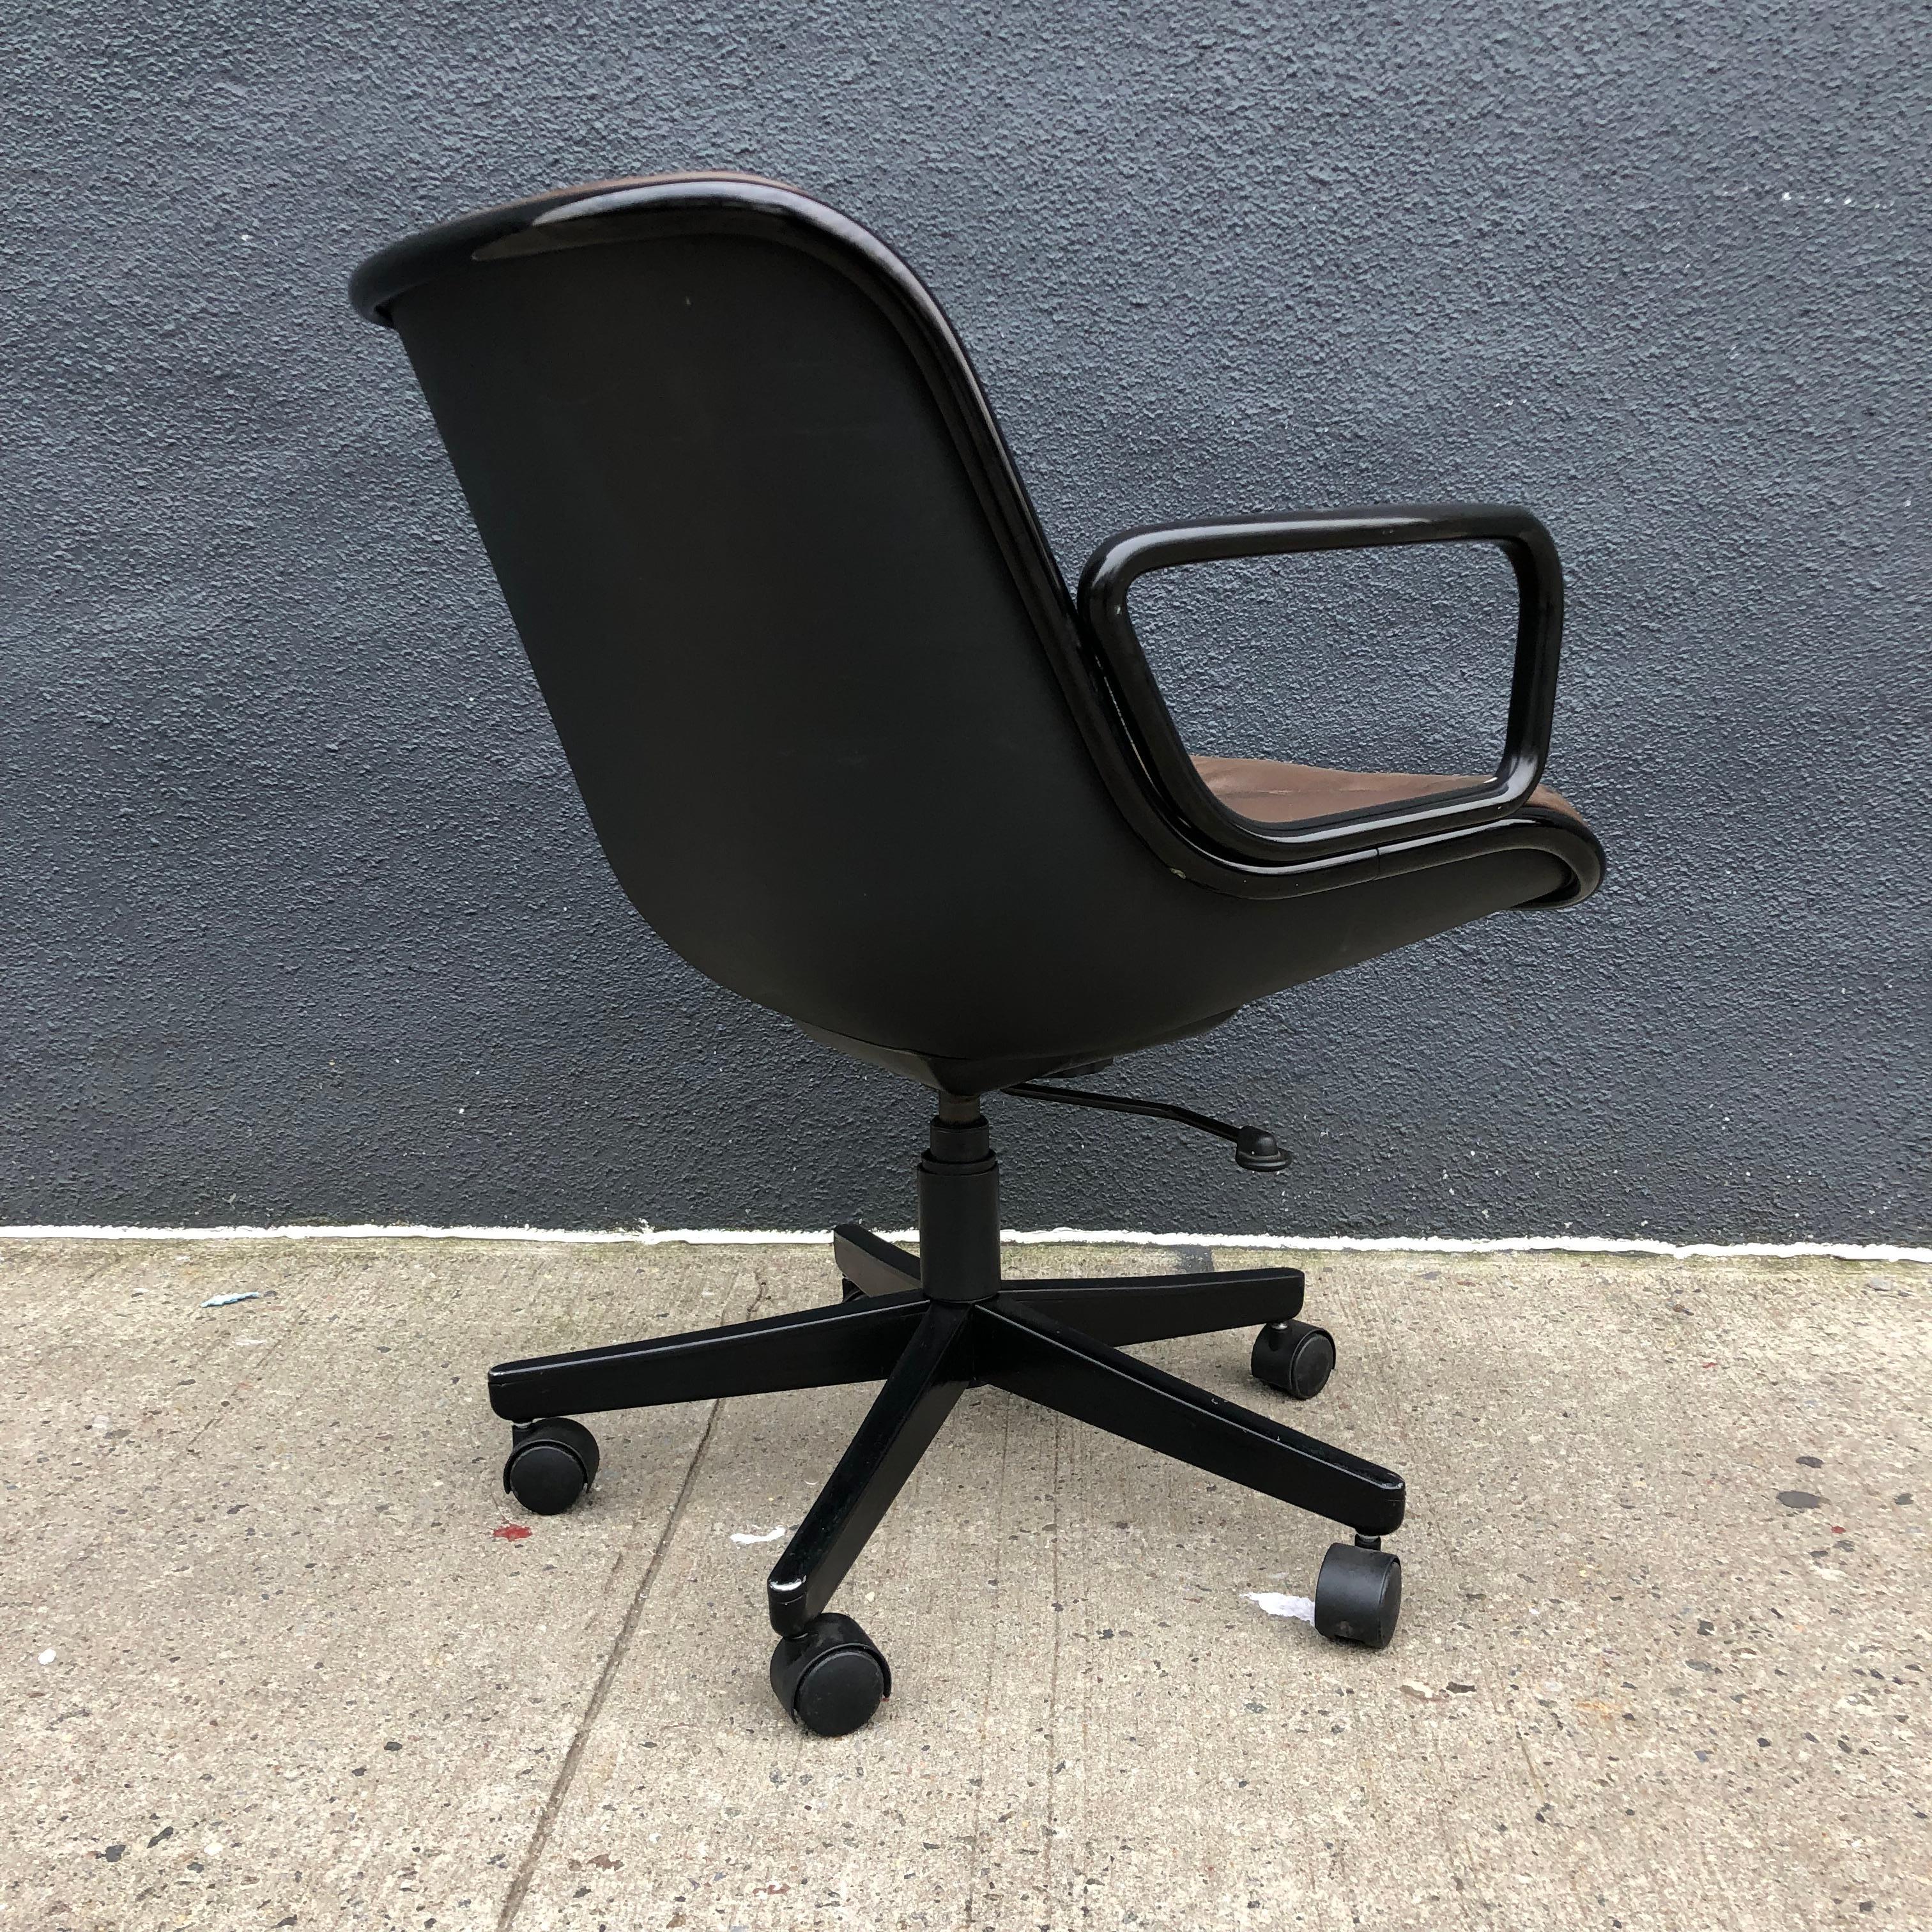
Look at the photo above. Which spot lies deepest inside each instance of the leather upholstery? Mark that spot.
(1272, 793)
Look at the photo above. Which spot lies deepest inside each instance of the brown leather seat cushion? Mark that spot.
(1278, 794)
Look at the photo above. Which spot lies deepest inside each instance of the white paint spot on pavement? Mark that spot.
(1275, 1605)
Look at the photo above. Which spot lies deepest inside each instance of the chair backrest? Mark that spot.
(786, 600)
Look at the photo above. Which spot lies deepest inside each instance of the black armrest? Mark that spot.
(1114, 567)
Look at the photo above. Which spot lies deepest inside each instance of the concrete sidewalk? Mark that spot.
(271, 1661)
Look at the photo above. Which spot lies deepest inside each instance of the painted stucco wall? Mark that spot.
(302, 919)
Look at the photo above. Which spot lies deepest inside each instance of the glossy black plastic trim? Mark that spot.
(1119, 563)
(1123, 720)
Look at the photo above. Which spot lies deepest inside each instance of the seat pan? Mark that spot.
(1273, 793)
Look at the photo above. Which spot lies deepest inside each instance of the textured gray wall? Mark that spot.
(303, 920)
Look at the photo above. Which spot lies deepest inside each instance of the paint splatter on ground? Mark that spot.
(510, 1532)
(1276, 1605)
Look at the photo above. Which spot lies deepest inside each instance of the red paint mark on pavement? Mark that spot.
(510, 1532)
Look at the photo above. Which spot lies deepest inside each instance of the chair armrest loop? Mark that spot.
(1115, 568)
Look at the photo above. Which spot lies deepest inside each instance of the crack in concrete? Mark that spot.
(979, 1838)
(1048, 1873)
(566, 1776)
(519, 1886)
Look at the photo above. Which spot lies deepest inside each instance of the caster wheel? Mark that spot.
(551, 1464)
(1294, 1357)
(852, 1291)
(1358, 1595)
(831, 1677)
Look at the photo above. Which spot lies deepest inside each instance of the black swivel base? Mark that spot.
(931, 1326)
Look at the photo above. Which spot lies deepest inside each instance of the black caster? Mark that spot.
(551, 1464)
(852, 1291)
(1358, 1595)
(831, 1677)
(1295, 1358)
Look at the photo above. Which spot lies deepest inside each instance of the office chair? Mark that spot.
(854, 753)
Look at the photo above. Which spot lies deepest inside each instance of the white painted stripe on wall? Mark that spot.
(649, 1237)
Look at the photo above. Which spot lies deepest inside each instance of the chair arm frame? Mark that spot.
(1115, 567)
